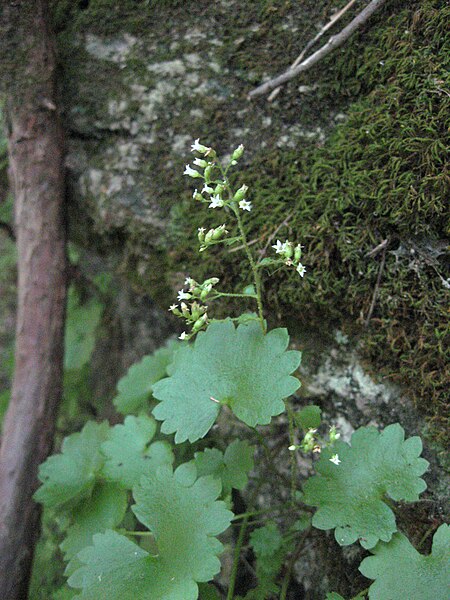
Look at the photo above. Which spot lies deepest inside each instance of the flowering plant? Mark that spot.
(164, 546)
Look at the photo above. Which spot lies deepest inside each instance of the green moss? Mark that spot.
(381, 175)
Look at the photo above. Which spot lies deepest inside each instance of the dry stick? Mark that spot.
(377, 285)
(334, 42)
(334, 19)
(274, 233)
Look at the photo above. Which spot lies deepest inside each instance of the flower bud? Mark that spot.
(219, 189)
(240, 194)
(218, 233)
(208, 173)
(199, 323)
(201, 234)
(209, 236)
(297, 253)
(238, 152)
(288, 250)
(211, 281)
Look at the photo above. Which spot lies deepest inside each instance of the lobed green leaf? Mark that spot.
(71, 475)
(238, 367)
(129, 454)
(136, 386)
(351, 495)
(401, 572)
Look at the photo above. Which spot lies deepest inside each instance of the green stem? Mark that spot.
(290, 413)
(137, 533)
(256, 275)
(256, 513)
(230, 295)
(290, 567)
(237, 554)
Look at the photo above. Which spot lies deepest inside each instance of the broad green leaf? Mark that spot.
(71, 475)
(116, 569)
(136, 386)
(400, 572)
(309, 417)
(242, 368)
(184, 520)
(81, 324)
(105, 509)
(129, 454)
(350, 495)
(184, 517)
(232, 467)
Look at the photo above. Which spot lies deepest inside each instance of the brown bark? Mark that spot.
(36, 171)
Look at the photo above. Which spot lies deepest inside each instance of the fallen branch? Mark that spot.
(333, 43)
(334, 19)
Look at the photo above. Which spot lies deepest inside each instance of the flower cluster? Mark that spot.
(216, 191)
(290, 255)
(213, 236)
(195, 314)
(312, 443)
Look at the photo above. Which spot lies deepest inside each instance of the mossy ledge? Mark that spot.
(382, 175)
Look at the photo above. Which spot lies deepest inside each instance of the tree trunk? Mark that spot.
(27, 74)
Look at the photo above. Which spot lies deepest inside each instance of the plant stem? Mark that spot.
(263, 511)
(290, 566)
(237, 553)
(230, 295)
(256, 275)
(290, 413)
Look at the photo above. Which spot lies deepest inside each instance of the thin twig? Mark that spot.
(377, 286)
(274, 233)
(334, 19)
(377, 249)
(333, 43)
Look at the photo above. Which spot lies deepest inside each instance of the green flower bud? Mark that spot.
(219, 189)
(240, 194)
(199, 323)
(201, 234)
(209, 236)
(288, 250)
(208, 173)
(218, 233)
(297, 253)
(238, 152)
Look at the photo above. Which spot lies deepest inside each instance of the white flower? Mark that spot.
(206, 189)
(197, 147)
(279, 247)
(335, 459)
(301, 270)
(201, 230)
(199, 162)
(292, 448)
(182, 336)
(191, 172)
(182, 295)
(216, 202)
(188, 281)
(245, 205)
(173, 307)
